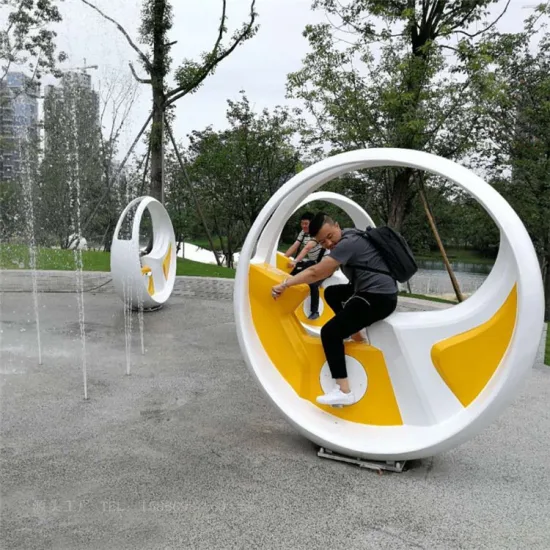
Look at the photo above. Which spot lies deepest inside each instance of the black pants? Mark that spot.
(353, 312)
(313, 287)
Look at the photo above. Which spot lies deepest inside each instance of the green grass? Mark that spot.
(17, 257)
(547, 352)
(198, 269)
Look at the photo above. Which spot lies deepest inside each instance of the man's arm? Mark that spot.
(324, 269)
(305, 250)
(292, 249)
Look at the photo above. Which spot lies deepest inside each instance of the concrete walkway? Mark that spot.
(99, 282)
(187, 452)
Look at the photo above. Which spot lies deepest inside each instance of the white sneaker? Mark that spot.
(336, 397)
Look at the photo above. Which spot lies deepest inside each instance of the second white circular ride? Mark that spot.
(144, 279)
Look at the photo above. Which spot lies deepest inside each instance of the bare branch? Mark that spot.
(216, 58)
(142, 80)
(142, 188)
(118, 172)
(142, 56)
(221, 32)
(482, 31)
(447, 47)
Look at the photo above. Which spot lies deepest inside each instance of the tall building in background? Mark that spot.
(73, 101)
(18, 120)
(71, 180)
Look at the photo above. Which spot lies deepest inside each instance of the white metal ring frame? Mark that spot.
(144, 281)
(422, 398)
(360, 220)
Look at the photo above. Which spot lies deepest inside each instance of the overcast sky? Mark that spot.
(259, 66)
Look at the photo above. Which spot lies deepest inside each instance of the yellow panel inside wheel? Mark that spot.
(467, 361)
(299, 357)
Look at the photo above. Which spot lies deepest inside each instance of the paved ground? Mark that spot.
(100, 282)
(186, 452)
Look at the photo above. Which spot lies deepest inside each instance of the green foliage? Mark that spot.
(462, 223)
(520, 138)
(412, 97)
(178, 201)
(156, 17)
(235, 171)
(27, 37)
(12, 221)
(191, 74)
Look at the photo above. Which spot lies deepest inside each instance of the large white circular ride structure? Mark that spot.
(144, 280)
(433, 379)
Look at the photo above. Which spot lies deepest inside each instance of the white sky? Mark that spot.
(259, 66)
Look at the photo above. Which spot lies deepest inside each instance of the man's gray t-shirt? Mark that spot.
(357, 250)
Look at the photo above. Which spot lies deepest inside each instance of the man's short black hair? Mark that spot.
(317, 222)
(307, 216)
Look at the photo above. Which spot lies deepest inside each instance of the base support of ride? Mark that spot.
(377, 465)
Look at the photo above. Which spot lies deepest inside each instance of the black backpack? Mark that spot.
(394, 250)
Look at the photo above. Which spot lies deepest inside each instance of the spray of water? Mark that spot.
(125, 311)
(74, 183)
(81, 316)
(130, 194)
(140, 318)
(127, 298)
(29, 209)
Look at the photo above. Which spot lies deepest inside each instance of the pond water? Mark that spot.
(457, 266)
(436, 282)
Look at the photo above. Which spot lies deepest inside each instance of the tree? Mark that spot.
(28, 38)
(177, 201)
(412, 97)
(28, 42)
(521, 132)
(237, 170)
(156, 22)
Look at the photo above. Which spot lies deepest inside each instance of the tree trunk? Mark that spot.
(158, 73)
(107, 240)
(400, 198)
(157, 146)
(435, 232)
(145, 169)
